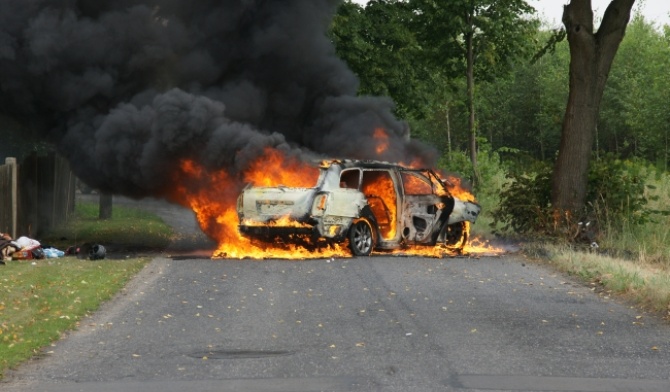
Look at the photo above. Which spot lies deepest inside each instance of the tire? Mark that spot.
(360, 238)
(456, 236)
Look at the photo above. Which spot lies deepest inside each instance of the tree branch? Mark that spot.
(610, 34)
(616, 17)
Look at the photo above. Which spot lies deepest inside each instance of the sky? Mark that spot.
(551, 11)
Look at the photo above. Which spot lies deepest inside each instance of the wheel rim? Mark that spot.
(362, 237)
(455, 237)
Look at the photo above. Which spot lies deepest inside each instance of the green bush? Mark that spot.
(490, 168)
(616, 191)
(616, 195)
(525, 201)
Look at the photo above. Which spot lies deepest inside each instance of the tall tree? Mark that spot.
(591, 57)
(381, 50)
(477, 39)
(645, 91)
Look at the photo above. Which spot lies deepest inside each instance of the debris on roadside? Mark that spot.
(97, 252)
(25, 248)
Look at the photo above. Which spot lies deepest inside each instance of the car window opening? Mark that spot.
(415, 184)
(350, 179)
(378, 188)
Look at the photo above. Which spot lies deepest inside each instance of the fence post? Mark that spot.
(11, 162)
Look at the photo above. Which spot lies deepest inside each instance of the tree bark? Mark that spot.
(105, 204)
(448, 131)
(591, 57)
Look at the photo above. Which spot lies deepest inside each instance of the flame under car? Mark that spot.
(369, 204)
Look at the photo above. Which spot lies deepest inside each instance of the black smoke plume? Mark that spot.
(127, 88)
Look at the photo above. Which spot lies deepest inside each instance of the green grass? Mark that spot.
(644, 284)
(482, 227)
(39, 302)
(130, 227)
(633, 261)
(647, 243)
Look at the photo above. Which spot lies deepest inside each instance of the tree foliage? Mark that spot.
(416, 52)
(521, 105)
(378, 45)
(476, 38)
(635, 120)
(500, 31)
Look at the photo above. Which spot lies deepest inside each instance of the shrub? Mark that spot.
(617, 190)
(525, 201)
(616, 194)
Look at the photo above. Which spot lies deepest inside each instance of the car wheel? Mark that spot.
(456, 236)
(360, 238)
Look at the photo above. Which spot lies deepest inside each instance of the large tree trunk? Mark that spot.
(591, 57)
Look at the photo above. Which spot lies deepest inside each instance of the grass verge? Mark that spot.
(644, 284)
(131, 228)
(40, 301)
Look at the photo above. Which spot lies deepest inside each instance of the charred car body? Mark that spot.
(373, 205)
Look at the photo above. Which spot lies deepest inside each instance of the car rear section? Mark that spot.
(321, 213)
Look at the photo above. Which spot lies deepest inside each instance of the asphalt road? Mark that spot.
(359, 324)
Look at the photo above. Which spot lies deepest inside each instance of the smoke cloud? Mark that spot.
(127, 88)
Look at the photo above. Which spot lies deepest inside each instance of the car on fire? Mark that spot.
(371, 204)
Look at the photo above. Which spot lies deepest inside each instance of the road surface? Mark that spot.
(356, 324)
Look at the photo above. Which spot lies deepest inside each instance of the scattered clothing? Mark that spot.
(25, 248)
(27, 243)
(52, 253)
(7, 249)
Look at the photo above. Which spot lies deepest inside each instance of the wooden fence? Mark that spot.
(9, 197)
(35, 195)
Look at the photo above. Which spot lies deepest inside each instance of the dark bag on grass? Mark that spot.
(38, 253)
(97, 252)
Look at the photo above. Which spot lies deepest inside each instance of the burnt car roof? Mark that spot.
(367, 164)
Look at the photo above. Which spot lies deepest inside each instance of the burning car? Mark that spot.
(373, 205)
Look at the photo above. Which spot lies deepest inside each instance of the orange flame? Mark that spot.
(284, 221)
(212, 195)
(381, 196)
(455, 188)
(382, 139)
(275, 169)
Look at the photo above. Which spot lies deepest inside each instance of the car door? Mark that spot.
(421, 208)
(381, 192)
